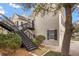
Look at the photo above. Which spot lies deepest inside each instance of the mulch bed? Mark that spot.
(18, 52)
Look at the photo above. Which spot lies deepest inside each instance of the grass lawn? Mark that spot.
(75, 39)
(52, 53)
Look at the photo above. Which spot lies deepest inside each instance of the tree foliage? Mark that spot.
(76, 29)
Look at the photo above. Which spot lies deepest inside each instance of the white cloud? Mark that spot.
(32, 9)
(1, 7)
(14, 5)
(2, 10)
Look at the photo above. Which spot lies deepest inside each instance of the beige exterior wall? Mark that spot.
(51, 22)
(16, 18)
(61, 27)
(47, 22)
(2, 30)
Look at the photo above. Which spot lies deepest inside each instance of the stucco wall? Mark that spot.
(16, 18)
(47, 22)
(51, 22)
(1, 29)
(62, 19)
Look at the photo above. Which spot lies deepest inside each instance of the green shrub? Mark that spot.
(39, 39)
(11, 41)
(76, 29)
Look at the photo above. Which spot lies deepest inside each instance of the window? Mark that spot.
(52, 34)
(21, 23)
(17, 23)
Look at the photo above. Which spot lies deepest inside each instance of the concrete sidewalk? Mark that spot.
(74, 48)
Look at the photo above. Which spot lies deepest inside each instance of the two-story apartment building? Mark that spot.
(50, 25)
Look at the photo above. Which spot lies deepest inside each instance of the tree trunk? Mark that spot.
(68, 31)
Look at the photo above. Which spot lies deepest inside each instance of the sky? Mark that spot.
(75, 15)
(9, 9)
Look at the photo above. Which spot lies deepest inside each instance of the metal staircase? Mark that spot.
(27, 41)
(10, 26)
(6, 27)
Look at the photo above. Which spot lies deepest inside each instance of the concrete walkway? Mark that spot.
(74, 48)
(51, 42)
(53, 45)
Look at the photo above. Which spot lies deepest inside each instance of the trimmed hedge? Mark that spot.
(39, 39)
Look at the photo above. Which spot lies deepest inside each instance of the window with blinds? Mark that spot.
(52, 34)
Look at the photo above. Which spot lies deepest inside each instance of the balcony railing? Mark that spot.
(25, 26)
